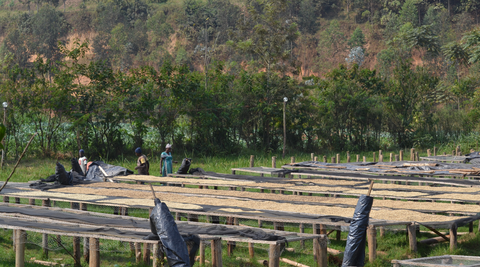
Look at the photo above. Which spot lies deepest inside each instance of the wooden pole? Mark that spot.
(380, 158)
(94, 252)
(434, 151)
(312, 155)
(19, 248)
(453, 237)
(138, 252)
(320, 252)
(391, 157)
(146, 253)
(397, 158)
(374, 158)
(416, 156)
(77, 253)
(358, 158)
(338, 159)
(252, 161)
(325, 159)
(457, 151)
(412, 154)
(348, 156)
(302, 230)
(382, 231)
(412, 237)
(274, 255)
(401, 155)
(45, 203)
(251, 250)
(333, 159)
(372, 243)
(274, 162)
(315, 159)
(429, 153)
(364, 159)
(202, 253)
(157, 261)
(216, 253)
(292, 160)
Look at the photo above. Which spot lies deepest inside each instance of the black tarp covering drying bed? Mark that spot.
(62, 178)
(354, 254)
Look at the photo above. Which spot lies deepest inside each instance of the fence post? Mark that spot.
(252, 161)
(274, 162)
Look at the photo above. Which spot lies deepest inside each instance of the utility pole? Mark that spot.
(285, 99)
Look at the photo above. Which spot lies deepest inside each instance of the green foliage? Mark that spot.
(409, 13)
(357, 38)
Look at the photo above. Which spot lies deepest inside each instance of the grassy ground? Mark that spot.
(393, 246)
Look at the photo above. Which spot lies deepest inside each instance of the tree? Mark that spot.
(357, 38)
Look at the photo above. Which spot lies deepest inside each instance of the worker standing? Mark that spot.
(142, 162)
(82, 161)
(166, 161)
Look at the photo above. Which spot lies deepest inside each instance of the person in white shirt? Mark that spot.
(82, 161)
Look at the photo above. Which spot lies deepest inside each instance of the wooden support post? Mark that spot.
(412, 237)
(372, 243)
(201, 250)
(338, 159)
(157, 261)
(45, 203)
(374, 158)
(192, 217)
(94, 252)
(278, 226)
(380, 158)
(382, 231)
(20, 248)
(333, 159)
(358, 158)
(17, 200)
(86, 249)
(325, 159)
(364, 159)
(315, 159)
(251, 250)
(216, 253)
(312, 155)
(397, 158)
(292, 159)
(416, 156)
(391, 157)
(77, 253)
(302, 230)
(453, 237)
(320, 252)
(401, 155)
(146, 253)
(6, 199)
(454, 153)
(274, 162)
(434, 151)
(457, 151)
(252, 161)
(138, 252)
(348, 156)
(31, 201)
(412, 154)
(470, 227)
(323, 229)
(338, 235)
(274, 255)
(429, 153)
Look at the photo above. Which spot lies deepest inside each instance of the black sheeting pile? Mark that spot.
(62, 178)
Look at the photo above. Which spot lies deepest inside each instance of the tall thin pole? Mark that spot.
(284, 129)
(3, 141)
(206, 61)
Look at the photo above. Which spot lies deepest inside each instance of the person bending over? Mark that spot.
(142, 162)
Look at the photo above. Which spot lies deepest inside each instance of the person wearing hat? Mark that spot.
(82, 161)
(142, 162)
(166, 161)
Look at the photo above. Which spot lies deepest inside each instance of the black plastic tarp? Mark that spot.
(354, 254)
(95, 174)
(163, 225)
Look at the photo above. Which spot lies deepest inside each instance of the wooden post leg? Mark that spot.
(279, 226)
(320, 251)
(77, 254)
(146, 253)
(45, 203)
(138, 252)
(470, 227)
(302, 230)
(94, 252)
(20, 248)
(412, 237)
(216, 253)
(339, 235)
(86, 249)
(453, 237)
(274, 255)
(382, 231)
(251, 251)
(372, 243)
(202, 253)
(157, 261)
(31, 201)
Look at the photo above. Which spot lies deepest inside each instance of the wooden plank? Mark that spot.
(20, 248)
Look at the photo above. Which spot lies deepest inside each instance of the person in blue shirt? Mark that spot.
(166, 161)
